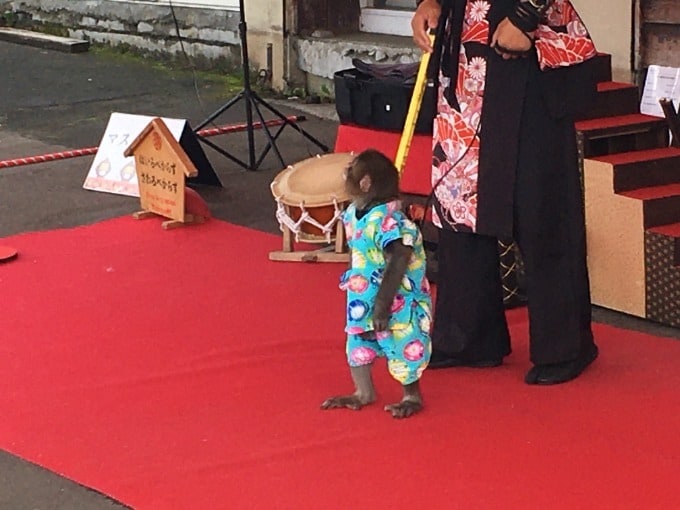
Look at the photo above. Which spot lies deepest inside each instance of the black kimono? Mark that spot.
(505, 165)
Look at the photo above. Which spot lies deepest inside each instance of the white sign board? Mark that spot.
(111, 171)
(662, 82)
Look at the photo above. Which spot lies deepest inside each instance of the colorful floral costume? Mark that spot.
(406, 342)
(561, 41)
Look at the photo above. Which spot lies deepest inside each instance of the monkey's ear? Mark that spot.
(365, 183)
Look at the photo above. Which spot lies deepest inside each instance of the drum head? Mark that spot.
(315, 181)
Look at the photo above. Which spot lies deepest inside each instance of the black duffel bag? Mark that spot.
(378, 96)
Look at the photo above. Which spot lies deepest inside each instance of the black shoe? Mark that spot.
(441, 361)
(561, 372)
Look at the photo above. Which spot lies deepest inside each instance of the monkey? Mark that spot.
(388, 295)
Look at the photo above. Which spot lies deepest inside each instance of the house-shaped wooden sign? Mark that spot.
(162, 167)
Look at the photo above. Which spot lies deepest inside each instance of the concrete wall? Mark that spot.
(266, 42)
(208, 35)
(211, 35)
(610, 23)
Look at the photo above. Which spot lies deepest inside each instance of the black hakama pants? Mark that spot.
(548, 226)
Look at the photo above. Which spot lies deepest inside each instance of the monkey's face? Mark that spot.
(358, 183)
(371, 178)
(352, 181)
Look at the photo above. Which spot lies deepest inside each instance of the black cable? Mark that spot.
(454, 9)
(186, 55)
(431, 197)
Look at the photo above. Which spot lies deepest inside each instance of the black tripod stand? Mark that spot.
(253, 102)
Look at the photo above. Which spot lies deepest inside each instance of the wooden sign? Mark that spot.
(162, 167)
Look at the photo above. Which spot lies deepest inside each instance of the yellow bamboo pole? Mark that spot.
(413, 111)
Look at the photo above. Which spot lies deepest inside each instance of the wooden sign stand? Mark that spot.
(162, 167)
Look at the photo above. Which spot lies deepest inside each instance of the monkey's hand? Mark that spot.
(398, 256)
(381, 315)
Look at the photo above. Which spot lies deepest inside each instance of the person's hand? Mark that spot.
(426, 18)
(509, 41)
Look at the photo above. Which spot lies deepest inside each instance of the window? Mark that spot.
(231, 5)
(387, 16)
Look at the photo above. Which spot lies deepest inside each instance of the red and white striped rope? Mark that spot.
(220, 130)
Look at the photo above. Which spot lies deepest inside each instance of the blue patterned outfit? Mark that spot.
(406, 342)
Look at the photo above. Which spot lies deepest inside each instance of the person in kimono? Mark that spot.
(512, 76)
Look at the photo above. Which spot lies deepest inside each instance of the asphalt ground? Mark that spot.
(53, 101)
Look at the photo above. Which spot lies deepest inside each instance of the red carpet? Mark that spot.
(183, 370)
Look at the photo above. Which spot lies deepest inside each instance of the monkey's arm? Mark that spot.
(398, 256)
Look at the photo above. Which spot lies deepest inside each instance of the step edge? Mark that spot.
(615, 85)
(668, 230)
(644, 156)
(627, 120)
(658, 193)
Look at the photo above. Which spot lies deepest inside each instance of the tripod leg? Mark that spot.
(318, 143)
(219, 149)
(266, 149)
(251, 134)
(219, 112)
(272, 143)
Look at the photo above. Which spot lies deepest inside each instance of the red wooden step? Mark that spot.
(603, 67)
(614, 98)
(622, 133)
(630, 123)
(646, 168)
(661, 204)
(672, 230)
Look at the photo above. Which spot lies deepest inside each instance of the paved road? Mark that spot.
(53, 101)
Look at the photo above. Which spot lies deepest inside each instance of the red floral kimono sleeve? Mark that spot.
(562, 38)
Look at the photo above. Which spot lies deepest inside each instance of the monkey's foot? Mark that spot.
(405, 408)
(354, 402)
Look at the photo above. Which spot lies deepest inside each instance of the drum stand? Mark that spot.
(253, 102)
(336, 252)
(310, 201)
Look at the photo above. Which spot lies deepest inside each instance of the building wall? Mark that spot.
(211, 34)
(610, 23)
(207, 33)
(267, 48)
(208, 28)
(659, 40)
